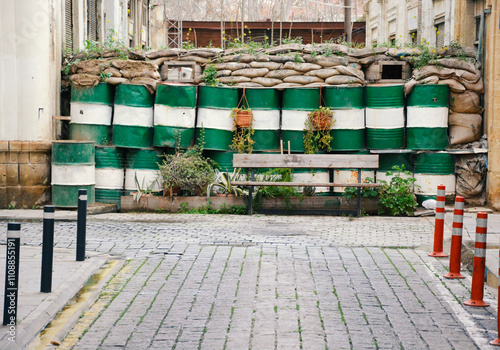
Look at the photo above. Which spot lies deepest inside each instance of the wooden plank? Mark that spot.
(58, 117)
(316, 161)
(300, 184)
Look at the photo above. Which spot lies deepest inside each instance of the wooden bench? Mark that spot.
(301, 161)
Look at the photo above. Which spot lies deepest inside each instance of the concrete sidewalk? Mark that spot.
(36, 309)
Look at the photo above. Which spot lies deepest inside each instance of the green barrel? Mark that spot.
(214, 116)
(348, 106)
(427, 118)
(431, 170)
(350, 175)
(109, 174)
(133, 117)
(388, 160)
(224, 159)
(385, 118)
(174, 115)
(265, 105)
(143, 164)
(91, 113)
(297, 104)
(73, 168)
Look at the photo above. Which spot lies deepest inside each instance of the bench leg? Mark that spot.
(359, 195)
(250, 209)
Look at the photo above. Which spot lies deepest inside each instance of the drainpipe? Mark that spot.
(480, 48)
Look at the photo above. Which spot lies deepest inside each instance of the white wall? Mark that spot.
(30, 55)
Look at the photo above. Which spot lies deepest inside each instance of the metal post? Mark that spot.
(250, 209)
(456, 239)
(11, 275)
(81, 225)
(358, 211)
(437, 251)
(47, 248)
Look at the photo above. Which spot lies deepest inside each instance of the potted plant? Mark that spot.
(224, 184)
(242, 130)
(317, 130)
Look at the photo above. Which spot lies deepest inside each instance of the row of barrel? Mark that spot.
(108, 172)
(371, 117)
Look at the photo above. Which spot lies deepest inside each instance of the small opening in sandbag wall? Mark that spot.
(392, 72)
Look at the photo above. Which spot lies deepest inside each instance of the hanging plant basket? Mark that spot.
(242, 117)
(322, 120)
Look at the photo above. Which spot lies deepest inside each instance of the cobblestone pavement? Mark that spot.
(229, 282)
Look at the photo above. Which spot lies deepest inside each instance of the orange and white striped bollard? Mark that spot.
(497, 340)
(456, 239)
(437, 251)
(477, 291)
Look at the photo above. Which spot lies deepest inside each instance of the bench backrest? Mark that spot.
(315, 161)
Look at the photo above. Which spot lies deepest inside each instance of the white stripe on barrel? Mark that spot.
(174, 116)
(428, 183)
(109, 178)
(215, 119)
(87, 113)
(266, 120)
(350, 119)
(73, 174)
(385, 118)
(293, 120)
(148, 179)
(427, 117)
(133, 116)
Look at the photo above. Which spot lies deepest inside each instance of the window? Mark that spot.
(92, 20)
(68, 25)
(440, 34)
(413, 36)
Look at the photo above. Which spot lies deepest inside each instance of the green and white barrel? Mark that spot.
(73, 168)
(133, 117)
(349, 176)
(214, 116)
(385, 117)
(313, 176)
(143, 165)
(427, 118)
(388, 160)
(431, 170)
(174, 115)
(91, 113)
(297, 104)
(224, 159)
(348, 106)
(265, 105)
(109, 174)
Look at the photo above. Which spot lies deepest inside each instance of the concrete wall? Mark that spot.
(30, 56)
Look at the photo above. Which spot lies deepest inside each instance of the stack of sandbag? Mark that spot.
(466, 86)
(291, 65)
(115, 71)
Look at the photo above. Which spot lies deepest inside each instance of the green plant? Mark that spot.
(296, 40)
(277, 175)
(242, 141)
(105, 76)
(317, 130)
(188, 171)
(327, 51)
(11, 205)
(297, 58)
(142, 189)
(397, 197)
(224, 182)
(210, 76)
(365, 192)
(187, 45)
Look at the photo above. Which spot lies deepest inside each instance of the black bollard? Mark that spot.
(81, 225)
(47, 248)
(11, 276)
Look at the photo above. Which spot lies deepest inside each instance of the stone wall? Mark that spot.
(24, 173)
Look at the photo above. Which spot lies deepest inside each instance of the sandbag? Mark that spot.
(464, 128)
(262, 58)
(113, 71)
(250, 84)
(164, 53)
(268, 65)
(282, 73)
(283, 48)
(247, 58)
(370, 59)
(283, 86)
(116, 80)
(457, 64)
(477, 87)
(231, 66)
(409, 86)
(234, 80)
(93, 67)
(134, 65)
(330, 61)
(137, 55)
(302, 79)
(323, 73)
(454, 85)
(281, 59)
(351, 71)
(148, 83)
(466, 102)
(424, 72)
(206, 53)
(343, 79)
(193, 58)
(223, 73)
(267, 82)
(301, 67)
(84, 80)
(470, 173)
(251, 72)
